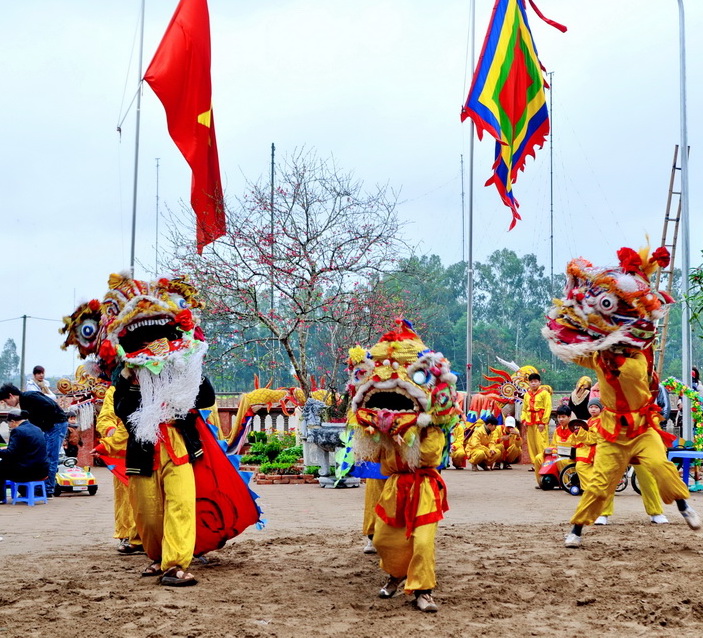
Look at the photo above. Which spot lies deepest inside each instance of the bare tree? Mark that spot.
(289, 273)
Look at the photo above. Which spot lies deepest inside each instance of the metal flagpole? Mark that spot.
(686, 354)
(136, 144)
(470, 243)
(156, 251)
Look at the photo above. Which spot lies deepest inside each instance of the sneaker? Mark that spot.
(572, 540)
(426, 603)
(532, 469)
(474, 467)
(391, 587)
(691, 517)
(603, 520)
(507, 466)
(659, 519)
(369, 549)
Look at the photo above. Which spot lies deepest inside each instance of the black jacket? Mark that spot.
(140, 456)
(44, 412)
(24, 458)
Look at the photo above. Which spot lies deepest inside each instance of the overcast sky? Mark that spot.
(379, 84)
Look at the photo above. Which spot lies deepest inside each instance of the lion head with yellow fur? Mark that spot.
(396, 388)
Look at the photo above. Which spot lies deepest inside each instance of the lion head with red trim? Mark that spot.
(138, 323)
(607, 308)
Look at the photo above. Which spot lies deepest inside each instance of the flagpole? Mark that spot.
(470, 242)
(686, 357)
(136, 144)
(156, 251)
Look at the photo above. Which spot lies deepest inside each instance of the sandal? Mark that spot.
(176, 577)
(153, 570)
(125, 547)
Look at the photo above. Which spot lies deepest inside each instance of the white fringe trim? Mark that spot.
(168, 395)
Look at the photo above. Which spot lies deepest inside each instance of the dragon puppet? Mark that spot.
(607, 308)
(606, 321)
(153, 329)
(398, 387)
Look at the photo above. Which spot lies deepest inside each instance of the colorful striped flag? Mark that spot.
(507, 97)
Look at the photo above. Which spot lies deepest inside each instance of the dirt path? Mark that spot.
(501, 568)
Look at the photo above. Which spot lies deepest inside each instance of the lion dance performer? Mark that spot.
(186, 495)
(605, 322)
(402, 407)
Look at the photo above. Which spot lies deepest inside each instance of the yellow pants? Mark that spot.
(164, 511)
(482, 454)
(650, 492)
(611, 460)
(412, 557)
(458, 457)
(125, 527)
(536, 441)
(374, 487)
(512, 454)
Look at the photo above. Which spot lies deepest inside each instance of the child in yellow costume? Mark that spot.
(606, 322)
(535, 415)
(586, 440)
(481, 451)
(563, 437)
(402, 400)
(409, 508)
(114, 441)
(507, 441)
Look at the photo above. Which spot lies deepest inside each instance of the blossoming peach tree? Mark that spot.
(299, 271)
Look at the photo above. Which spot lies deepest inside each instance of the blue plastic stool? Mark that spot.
(31, 496)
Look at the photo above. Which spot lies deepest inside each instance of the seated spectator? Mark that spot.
(73, 437)
(24, 459)
(507, 440)
(480, 452)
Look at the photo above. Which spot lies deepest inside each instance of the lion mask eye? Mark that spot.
(88, 329)
(179, 301)
(421, 377)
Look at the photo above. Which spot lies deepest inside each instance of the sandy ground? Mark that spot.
(501, 569)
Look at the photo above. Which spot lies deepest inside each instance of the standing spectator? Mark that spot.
(48, 417)
(37, 383)
(579, 398)
(24, 459)
(536, 412)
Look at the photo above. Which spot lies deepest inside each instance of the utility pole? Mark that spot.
(22, 358)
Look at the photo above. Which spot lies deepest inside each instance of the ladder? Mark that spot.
(670, 235)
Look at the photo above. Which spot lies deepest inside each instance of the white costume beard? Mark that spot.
(168, 395)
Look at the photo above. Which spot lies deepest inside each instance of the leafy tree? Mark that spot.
(10, 363)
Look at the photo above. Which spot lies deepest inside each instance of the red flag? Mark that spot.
(179, 74)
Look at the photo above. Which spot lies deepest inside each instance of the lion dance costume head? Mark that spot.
(607, 308)
(398, 387)
(151, 328)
